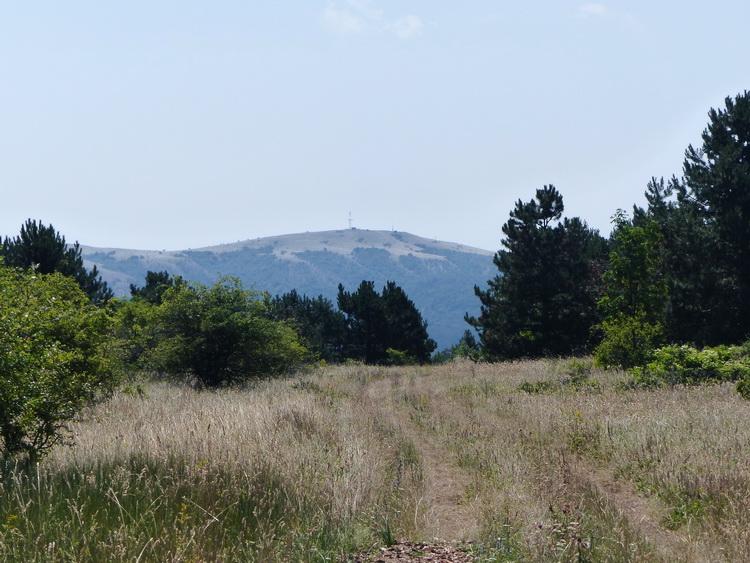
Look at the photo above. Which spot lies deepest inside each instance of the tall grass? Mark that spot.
(546, 460)
(272, 473)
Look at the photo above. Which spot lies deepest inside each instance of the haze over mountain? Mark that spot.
(438, 276)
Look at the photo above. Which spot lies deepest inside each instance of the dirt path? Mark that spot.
(449, 513)
(643, 514)
(446, 515)
(445, 512)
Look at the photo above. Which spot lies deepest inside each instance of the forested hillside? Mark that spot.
(438, 276)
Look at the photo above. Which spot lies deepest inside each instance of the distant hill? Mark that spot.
(438, 276)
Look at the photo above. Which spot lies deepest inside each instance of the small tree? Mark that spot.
(53, 359)
(44, 250)
(635, 297)
(221, 335)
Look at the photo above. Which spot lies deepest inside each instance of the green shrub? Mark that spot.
(54, 358)
(743, 387)
(628, 342)
(686, 365)
(220, 335)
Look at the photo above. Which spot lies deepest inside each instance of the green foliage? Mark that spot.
(704, 223)
(221, 335)
(543, 302)
(628, 341)
(44, 250)
(697, 283)
(467, 347)
(53, 358)
(398, 358)
(684, 364)
(318, 323)
(634, 282)
(717, 185)
(407, 332)
(134, 333)
(635, 296)
(376, 323)
(743, 387)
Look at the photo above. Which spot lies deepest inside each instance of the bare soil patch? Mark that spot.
(442, 552)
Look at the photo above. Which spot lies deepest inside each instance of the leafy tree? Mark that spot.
(376, 323)
(53, 358)
(42, 248)
(157, 283)
(543, 302)
(635, 297)
(221, 335)
(134, 333)
(316, 320)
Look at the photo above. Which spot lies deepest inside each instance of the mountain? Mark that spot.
(438, 276)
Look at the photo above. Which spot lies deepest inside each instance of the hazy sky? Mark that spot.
(179, 124)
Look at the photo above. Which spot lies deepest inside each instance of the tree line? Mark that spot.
(673, 272)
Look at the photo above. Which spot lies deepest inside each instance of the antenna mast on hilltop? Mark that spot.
(350, 219)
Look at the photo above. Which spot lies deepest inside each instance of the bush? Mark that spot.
(220, 335)
(53, 358)
(628, 342)
(687, 365)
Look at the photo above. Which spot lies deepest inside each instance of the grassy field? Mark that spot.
(530, 461)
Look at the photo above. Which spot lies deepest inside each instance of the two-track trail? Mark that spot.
(446, 514)
(449, 512)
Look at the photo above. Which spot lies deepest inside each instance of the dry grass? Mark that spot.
(320, 466)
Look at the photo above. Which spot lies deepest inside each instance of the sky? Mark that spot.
(183, 124)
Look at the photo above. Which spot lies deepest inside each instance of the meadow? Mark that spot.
(526, 461)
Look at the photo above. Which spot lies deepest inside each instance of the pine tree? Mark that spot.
(543, 300)
(366, 324)
(407, 332)
(157, 283)
(383, 327)
(717, 184)
(698, 284)
(45, 250)
(316, 320)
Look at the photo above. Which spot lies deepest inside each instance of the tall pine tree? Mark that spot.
(717, 184)
(43, 248)
(543, 302)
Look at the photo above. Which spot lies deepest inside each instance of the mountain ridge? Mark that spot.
(438, 276)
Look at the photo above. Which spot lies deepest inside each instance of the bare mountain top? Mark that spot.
(344, 242)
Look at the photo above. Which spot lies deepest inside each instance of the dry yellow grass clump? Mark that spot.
(547, 461)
